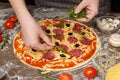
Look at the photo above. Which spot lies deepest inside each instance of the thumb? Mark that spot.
(80, 7)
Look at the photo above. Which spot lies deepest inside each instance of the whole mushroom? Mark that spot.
(114, 40)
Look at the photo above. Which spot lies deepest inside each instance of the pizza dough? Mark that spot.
(113, 73)
(75, 45)
(114, 40)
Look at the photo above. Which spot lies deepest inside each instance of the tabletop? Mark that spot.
(12, 69)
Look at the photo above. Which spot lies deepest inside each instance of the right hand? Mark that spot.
(31, 33)
(91, 7)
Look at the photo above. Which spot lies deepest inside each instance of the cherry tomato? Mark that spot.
(13, 19)
(1, 38)
(65, 76)
(9, 24)
(90, 72)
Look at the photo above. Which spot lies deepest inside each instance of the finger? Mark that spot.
(90, 15)
(83, 20)
(41, 47)
(80, 7)
(47, 40)
(47, 46)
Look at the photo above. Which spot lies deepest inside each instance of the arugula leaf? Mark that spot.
(82, 14)
(5, 41)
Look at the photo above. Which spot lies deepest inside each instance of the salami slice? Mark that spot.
(65, 47)
(59, 37)
(72, 39)
(77, 28)
(58, 31)
(75, 53)
(49, 56)
(86, 41)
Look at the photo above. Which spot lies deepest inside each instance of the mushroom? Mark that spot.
(114, 40)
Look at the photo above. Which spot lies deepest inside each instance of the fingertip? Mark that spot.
(47, 47)
(76, 11)
(79, 8)
(48, 41)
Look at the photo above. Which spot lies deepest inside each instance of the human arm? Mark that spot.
(31, 31)
(91, 7)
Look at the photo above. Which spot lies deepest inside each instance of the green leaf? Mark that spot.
(61, 49)
(47, 75)
(82, 14)
(5, 41)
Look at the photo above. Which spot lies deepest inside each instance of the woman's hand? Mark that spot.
(31, 31)
(91, 7)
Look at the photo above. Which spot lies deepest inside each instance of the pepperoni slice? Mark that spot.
(75, 53)
(59, 37)
(64, 47)
(58, 31)
(77, 28)
(72, 39)
(49, 56)
(86, 41)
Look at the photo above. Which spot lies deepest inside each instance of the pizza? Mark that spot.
(75, 45)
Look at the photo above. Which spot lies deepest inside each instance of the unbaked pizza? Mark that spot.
(75, 45)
